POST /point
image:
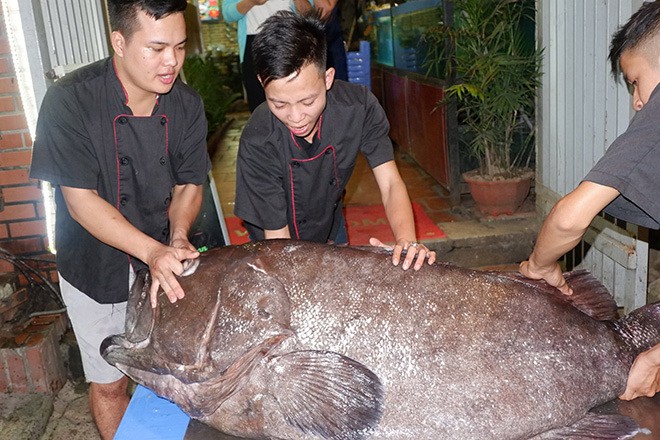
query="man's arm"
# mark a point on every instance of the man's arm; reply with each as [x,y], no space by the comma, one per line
[400,217]
[108,225]
[562,231]
[233,10]
[644,376]
[183,210]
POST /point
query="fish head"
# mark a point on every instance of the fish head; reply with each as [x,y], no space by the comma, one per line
[233,313]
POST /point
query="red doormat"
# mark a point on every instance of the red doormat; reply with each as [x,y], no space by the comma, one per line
[362,221]
[366,221]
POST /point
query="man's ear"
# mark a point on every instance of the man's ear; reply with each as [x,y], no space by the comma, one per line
[329,78]
[118,42]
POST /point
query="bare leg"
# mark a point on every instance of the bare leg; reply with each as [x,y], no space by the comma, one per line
[108,402]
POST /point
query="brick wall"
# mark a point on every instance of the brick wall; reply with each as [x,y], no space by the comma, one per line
[22,221]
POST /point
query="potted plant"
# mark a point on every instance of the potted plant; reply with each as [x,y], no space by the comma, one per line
[494,72]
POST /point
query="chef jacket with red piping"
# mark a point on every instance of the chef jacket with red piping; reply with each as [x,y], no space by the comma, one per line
[87,137]
[282,180]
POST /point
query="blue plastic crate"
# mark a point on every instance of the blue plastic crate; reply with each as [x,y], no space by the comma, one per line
[359,65]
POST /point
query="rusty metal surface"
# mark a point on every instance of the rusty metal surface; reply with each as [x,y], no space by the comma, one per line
[645,411]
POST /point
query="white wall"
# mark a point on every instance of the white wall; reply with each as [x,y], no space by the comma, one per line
[581,108]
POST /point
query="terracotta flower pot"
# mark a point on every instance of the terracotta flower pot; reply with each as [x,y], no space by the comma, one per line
[502,196]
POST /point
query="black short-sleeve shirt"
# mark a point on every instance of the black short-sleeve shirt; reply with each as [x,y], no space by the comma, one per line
[87,137]
[631,165]
[282,181]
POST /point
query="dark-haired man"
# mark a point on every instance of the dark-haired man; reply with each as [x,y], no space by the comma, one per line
[123,142]
[299,148]
[624,182]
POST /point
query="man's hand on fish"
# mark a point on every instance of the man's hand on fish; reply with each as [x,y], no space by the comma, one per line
[644,376]
[164,264]
[415,252]
[552,275]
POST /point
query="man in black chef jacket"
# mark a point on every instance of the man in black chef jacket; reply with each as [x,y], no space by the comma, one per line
[123,141]
[299,148]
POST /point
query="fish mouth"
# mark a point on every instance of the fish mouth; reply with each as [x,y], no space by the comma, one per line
[113,348]
[110,344]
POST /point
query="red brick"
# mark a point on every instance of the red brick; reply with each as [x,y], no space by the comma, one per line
[27,139]
[14,177]
[35,363]
[4,378]
[23,211]
[28,193]
[24,246]
[8,85]
[4,45]
[53,276]
[6,266]
[16,158]
[4,232]
[5,66]
[14,301]
[41,210]
[16,369]
[13,122]
[12,140]
[26,229]
[7,103]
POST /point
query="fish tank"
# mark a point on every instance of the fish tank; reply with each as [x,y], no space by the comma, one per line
[397,38]
[382,50]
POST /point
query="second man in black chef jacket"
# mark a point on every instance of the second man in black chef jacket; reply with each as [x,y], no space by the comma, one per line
[299,148]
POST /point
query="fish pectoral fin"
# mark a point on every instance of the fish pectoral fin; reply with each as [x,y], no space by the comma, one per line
[592,426]
[326,393]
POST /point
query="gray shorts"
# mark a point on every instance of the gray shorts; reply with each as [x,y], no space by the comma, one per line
[92,323]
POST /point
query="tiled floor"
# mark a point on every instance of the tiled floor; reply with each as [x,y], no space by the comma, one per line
[361,190]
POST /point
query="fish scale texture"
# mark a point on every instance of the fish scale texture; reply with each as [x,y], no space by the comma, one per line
[455,353]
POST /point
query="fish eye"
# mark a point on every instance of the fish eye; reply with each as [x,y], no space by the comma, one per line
[264,314]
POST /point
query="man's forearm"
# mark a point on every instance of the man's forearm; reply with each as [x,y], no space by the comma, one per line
[568,221]
[398,210]
[184,209]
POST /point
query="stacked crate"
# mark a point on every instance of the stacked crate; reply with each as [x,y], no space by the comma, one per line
[359,65]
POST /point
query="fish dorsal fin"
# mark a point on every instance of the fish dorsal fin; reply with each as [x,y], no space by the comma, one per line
[596,426]
[590,296]
[325,393]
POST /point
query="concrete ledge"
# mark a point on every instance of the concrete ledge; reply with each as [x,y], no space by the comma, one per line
[478,243]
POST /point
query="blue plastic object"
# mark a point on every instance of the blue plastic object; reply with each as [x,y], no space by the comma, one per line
[359,65]
[149,417]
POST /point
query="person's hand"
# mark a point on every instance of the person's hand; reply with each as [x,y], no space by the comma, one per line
[644,376]
[415,251]
[552,275]
[165,262]
[325,8]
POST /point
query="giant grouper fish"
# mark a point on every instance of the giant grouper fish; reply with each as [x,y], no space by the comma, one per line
[292,340]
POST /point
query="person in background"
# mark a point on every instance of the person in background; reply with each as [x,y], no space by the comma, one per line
[625,180]
[250,14]
[123,141]
[297,151]
[329,12]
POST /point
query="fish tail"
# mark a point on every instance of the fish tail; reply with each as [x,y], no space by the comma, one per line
[640,329]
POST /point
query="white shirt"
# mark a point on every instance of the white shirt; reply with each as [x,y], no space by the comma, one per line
[258,14]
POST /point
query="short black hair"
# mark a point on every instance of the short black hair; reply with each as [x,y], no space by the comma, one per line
[123,13]
[287,42]
[638,30]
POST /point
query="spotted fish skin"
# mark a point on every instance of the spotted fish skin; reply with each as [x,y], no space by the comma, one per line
[295,340]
